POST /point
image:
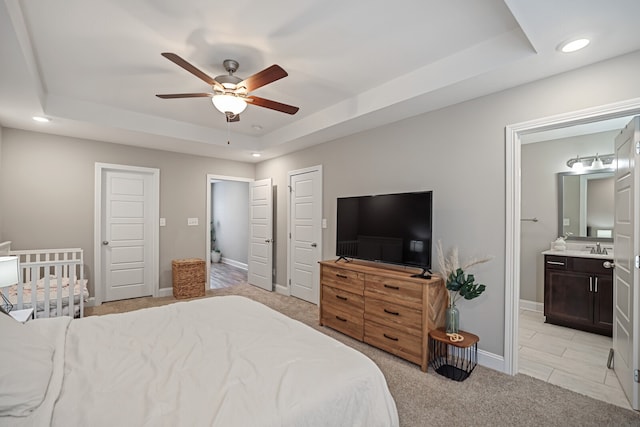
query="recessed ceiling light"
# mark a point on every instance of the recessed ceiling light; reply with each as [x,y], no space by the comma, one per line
[573,45]
[256,154]
[41,119]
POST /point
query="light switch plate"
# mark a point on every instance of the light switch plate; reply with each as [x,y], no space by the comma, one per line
[192,221]
[163,222]
[324,222]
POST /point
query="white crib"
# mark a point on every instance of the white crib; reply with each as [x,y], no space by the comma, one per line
[57,275]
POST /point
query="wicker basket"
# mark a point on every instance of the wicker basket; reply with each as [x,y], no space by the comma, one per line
[188,277]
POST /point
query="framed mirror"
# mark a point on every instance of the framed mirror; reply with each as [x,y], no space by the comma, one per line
[586,205]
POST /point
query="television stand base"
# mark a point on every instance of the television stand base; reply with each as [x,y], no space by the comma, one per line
[424,274]
[344,258]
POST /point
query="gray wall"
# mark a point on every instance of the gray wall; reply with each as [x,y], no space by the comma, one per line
[540,164]
[49,180]
[230,211]
[459,153]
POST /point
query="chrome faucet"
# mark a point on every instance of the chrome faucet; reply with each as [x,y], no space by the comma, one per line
[598,249]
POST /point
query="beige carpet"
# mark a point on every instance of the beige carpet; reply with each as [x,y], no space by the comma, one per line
[486,398]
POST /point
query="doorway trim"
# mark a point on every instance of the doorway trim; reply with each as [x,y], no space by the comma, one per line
[99,288]
[211,178]
[513,133]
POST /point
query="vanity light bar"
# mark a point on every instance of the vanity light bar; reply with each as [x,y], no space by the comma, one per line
[606,159]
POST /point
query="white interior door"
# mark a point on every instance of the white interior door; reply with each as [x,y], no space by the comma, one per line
[261,234]
[305,233]
[627,250]
[128,234]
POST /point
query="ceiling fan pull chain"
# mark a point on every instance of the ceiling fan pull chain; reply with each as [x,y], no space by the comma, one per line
[228,137]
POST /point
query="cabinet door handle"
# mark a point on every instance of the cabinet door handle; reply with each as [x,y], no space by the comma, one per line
[555,262]
[341,297]
[342,276]
[395,313]
[390,337]
[342,319]
[596,284]
[391,287]
[590,284]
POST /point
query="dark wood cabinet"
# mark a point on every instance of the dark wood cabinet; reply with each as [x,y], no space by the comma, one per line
[578,293]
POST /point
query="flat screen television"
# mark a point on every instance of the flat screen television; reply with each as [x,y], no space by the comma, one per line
[388,228]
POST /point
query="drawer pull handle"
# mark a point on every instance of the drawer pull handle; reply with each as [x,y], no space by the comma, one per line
[341,297]
[555,262]
[395,313]
[390,338]
[391,287]
[342,276]
[342,319]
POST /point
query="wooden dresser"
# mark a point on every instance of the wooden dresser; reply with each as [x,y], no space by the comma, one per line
[383,307]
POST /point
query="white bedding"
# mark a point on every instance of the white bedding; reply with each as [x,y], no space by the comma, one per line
[224,361]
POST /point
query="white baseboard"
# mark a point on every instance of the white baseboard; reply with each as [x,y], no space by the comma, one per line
[283,290]
[165,292]
[491,361]
[532,305]
[234,263]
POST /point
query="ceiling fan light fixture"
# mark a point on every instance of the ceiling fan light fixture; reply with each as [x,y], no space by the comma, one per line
[229,104]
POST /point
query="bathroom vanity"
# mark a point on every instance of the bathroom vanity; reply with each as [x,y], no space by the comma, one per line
[578,290]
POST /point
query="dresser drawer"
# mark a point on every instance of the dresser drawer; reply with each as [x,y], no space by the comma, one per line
[347,280]
[342,300]
[405,319]
[405,345]
[349,323]
[394,290]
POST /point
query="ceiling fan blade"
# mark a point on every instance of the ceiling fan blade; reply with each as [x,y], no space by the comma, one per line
[267,103]
[232,118]
[185,95]
[190,68]
[264,77]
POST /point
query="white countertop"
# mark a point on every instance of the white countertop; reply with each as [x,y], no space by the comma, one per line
[578,253]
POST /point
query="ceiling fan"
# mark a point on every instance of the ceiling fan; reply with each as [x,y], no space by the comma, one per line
[230,93]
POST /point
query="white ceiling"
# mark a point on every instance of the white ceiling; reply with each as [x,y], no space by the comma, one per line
[94,67]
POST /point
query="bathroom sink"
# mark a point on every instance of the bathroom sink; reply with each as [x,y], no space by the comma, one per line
[581,253]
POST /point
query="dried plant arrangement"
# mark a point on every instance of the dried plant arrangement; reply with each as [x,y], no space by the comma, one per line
[458,284]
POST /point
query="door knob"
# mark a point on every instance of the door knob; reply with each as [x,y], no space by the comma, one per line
[104,242]
[313,245]
[608,264]
[267,240]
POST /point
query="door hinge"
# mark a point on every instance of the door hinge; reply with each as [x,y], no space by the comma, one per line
[289,235]
[637,147]
[637,262]
[289,282]
[290,188]
[636,376]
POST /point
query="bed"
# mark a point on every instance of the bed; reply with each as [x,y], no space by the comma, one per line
[47,278]
[220,361]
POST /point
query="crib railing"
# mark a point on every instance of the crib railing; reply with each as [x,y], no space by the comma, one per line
[50,269]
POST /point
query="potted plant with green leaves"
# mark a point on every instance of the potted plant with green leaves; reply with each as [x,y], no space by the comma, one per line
[215,252]
[458,283]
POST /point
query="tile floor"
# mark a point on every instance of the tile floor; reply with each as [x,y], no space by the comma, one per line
[569,358]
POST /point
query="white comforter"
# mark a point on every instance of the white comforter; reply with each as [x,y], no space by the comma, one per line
[224,361]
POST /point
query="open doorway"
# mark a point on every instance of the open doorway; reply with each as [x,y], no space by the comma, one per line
[227,230]
[514,214]
[569,357]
